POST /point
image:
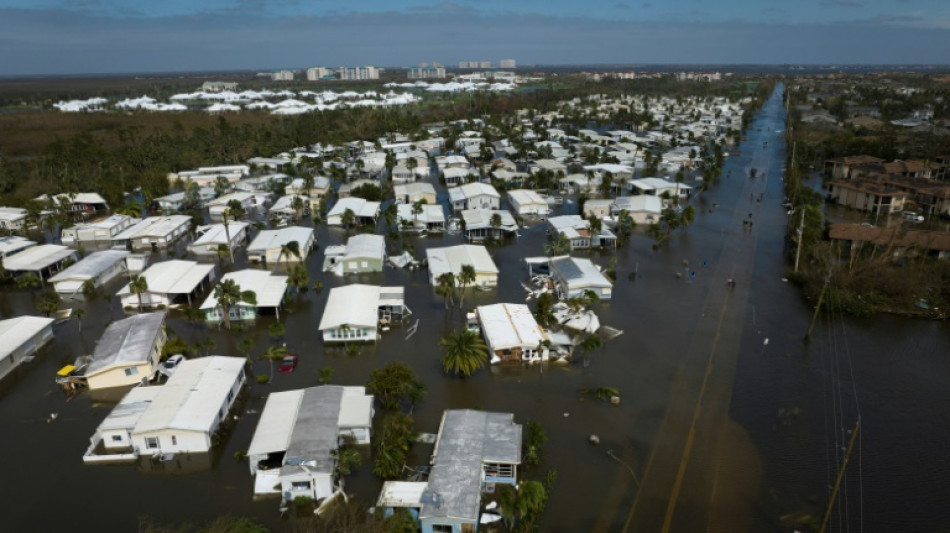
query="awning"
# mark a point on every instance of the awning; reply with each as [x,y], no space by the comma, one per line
[65,371]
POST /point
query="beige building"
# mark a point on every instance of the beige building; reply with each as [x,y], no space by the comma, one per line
[128,352]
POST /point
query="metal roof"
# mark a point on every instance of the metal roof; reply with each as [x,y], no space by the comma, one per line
[481,218]
[467,439]
[451,259]
[154,227]
[37,257]
[276,423]
[366,245]
[91,266]
[173,277]
[315,432]
[507,326]
[126,341]
[126,414]
[578,272]
[275,238]
[401,494]
[353,305]
[359,206]
[193,395]
[268,289]
[215,234]
[16,331]
[12,244]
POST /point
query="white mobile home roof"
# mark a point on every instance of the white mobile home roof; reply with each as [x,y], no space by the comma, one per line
[508,326]
[11,244]
[275,238]
[359,206]
[91,266]
[268,289]
[129,340]
[366,245]
[191,398]
[16,331]
[353,305]
[173,277]
[215,234]
[429,214]
[129,409]
[276,424]
[579,272]
[37,257]
[481,218]
[525,197]
[451,258]
[153,227]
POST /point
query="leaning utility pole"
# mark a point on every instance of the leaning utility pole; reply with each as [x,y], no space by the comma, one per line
[801,237]
[821,296]
[844,465]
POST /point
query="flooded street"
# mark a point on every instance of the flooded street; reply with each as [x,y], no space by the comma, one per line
[728,421]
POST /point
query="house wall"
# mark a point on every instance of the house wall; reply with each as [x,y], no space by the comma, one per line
[172,441]
[362,264]
[122,375]
[360,435]
[319,485]
[458,526]
[237,313]
[149,300]
[28,348]
[356,334]
[604,293]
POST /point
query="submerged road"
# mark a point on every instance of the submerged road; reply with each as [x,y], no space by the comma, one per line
[681,485]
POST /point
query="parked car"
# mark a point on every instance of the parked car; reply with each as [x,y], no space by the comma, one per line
[172,362]
[288,364]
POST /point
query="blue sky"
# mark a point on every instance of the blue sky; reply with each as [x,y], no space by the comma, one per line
[86,36]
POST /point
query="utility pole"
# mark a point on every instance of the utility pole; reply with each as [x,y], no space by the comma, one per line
[801,235]
[844,465]
[821,296]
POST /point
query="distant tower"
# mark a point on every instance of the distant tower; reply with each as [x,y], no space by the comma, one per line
[506,63]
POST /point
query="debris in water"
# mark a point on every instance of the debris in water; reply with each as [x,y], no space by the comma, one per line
[594,439]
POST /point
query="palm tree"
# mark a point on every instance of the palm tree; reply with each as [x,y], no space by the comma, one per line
[559,245]
[138,286]
[348,219]
[297,204]
[517,504]
[228,294]
[465,278]
[391,215]
[446,288]
[298,278]
[625,224]
[495,223]
[465,352]
[78,313]
[274,353]
[687,216]
[417,208]
[236,211]
[292,248]
[133,209]
[224,252]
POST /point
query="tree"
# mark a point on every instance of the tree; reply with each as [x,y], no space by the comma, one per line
[79,313]
[465,352]
[28,281]
[558,245]
[291,249]
[48,302]
[446,288]
[392,445]
[245,345]
[348,219]
[325,375]
[544,313]
[131,209]
[298,278]
[394,383]
[223,251]
[625,224]
[192,195]
[687,215]
[228,294]
[521,503]
[274,353]
[221,185]
[595,224]
[495,223]
[138,286]
[417,208]
[465,278]
[234,210]
[297,204]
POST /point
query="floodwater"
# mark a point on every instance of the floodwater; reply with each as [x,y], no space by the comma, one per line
[728,422]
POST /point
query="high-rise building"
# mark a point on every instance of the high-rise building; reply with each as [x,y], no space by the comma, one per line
[506,63]
[422,73]
[358,73]
[484,64]
[318,73]
[282,75]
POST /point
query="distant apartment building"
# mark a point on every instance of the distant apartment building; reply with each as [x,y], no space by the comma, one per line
[484,64]
[282,75]
[358,73]
[506,63]
[318,73]
[425,73]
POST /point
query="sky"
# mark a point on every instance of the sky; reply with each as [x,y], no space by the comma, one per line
[116,36]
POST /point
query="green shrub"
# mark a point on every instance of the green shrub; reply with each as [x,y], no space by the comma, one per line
[263,379]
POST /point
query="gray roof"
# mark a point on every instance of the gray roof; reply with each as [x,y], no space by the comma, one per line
[91,266]
[466,440]
[126,341]
[315,431]
[579,272]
